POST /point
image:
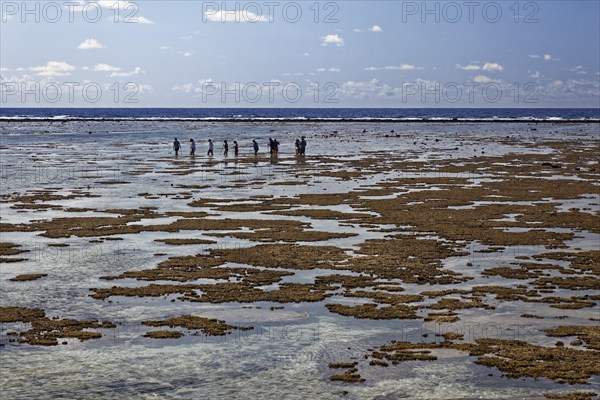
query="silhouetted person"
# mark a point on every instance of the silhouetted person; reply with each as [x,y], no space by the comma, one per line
[176,147]
[303,146]
[271,146]
[225,148]
[211,148]
[192,147]
[236,148]
[255,146]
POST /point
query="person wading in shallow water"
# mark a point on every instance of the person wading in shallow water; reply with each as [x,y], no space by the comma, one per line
[176,147]
[210,148]
[297,147]
[192,147]
[225,148]
[271,146]
[303,146]
[255,146]
[236,148]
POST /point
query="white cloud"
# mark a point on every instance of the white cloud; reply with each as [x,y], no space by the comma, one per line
[136,71]
[185,88]
[140,20]
[332,69]
[105,68]
[333,39]
[306,54]
[234,16]
[112,3]
[195,88]
[357,30]
[493,67]
[470,67]
[482,79]
[545,57]
[188,54]
[535,75]
[125,8]
[165,47]
[376,29]
[89,44]
[53,68]
[579,70]
[368,89]
[144,88]
[401,67]
[3,69]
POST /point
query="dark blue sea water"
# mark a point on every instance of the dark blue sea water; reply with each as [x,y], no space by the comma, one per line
[397,114]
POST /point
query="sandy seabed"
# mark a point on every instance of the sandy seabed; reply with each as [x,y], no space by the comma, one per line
[442,260]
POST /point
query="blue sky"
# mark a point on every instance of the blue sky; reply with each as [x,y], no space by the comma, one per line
[349,54]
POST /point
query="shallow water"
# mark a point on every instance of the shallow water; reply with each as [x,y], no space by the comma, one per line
[287,353]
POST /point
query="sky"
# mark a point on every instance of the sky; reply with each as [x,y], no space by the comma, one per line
[300,54]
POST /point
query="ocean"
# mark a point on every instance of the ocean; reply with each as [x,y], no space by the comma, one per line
[317,114]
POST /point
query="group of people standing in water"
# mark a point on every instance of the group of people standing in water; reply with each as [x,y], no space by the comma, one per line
[273,147]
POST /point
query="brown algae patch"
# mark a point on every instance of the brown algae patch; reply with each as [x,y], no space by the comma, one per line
[589,334]
[27,277]
[572,396]
[442,317]
[230,292]
[407,258]
[349,376]
[520,359]
[372,311]
[208,326]
[11,249]
[183,242]
[285,235]
[323,214]
[163,334]
[20,314]
[288,256]
[46,331]
[515,358]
